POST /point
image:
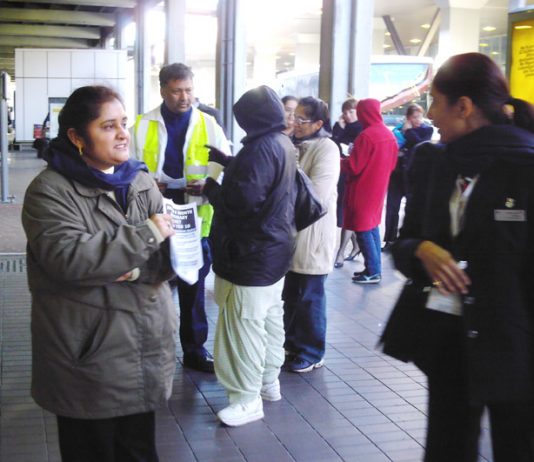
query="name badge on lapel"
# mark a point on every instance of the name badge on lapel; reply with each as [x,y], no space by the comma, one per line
[510,215]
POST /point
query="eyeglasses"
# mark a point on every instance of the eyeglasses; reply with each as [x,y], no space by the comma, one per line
[300,121]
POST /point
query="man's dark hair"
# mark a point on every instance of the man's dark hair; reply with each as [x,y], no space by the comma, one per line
[176,71]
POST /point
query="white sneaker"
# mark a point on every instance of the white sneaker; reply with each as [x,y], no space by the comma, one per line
[271,391]
[241,413]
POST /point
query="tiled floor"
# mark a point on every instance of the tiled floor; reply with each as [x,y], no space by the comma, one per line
[362,406]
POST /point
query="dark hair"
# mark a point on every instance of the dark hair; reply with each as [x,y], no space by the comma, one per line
[478,77]
[316,109]
[349,104]
[82,107]
[176,71]
[287,98]
[413,108]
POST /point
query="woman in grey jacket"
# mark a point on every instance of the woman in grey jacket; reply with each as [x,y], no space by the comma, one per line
[103,321]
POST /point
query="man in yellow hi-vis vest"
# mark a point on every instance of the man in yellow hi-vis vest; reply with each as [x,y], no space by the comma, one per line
[171,139]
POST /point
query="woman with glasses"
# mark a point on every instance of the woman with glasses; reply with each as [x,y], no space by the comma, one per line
[303,294]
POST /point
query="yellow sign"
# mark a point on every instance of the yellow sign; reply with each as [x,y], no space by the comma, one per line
[522,62]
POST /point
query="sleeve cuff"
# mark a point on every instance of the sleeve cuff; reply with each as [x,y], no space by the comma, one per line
[135,275]
[155,231]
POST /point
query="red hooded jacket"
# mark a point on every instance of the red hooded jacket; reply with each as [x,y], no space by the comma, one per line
[367,169]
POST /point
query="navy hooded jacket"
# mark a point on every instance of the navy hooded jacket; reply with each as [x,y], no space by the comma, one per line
[253,231]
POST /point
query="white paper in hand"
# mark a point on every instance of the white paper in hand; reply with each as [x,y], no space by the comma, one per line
[185,245]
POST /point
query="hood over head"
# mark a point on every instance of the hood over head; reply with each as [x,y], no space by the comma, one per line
[259,111]
[368,112]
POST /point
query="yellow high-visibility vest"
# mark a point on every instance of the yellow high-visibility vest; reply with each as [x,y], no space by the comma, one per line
[196,160]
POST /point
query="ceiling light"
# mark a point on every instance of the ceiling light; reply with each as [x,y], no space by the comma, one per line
[425,26]
[386,45]
[483,45]
[494,53]
[415,40]
[489,28]
[525,26]
[388,33]
[287,63]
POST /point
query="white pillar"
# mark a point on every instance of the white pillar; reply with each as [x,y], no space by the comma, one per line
[175,31]
[363,12]
[460,27]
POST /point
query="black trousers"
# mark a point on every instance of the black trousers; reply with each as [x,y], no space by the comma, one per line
[130,438]
[454,423]
[193,320]
[396,191]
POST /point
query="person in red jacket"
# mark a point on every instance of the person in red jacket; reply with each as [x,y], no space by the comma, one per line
[371,161]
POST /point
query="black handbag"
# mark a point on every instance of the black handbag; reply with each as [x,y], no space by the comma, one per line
[414,333]
[308,207]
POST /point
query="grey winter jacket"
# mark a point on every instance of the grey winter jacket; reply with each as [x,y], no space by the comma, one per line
[101,348]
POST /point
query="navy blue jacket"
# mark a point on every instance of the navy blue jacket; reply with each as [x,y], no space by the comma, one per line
[253,231]
[496,241]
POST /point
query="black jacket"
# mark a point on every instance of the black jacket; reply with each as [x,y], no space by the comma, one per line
[497,242]
[253,231]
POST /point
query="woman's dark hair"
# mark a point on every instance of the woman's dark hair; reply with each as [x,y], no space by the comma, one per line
[478,77]
[82,107]
[413,108]
[287,98]
[316,109]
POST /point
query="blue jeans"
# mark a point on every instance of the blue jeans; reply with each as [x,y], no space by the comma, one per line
[305,315]
[193,320]
[369,242]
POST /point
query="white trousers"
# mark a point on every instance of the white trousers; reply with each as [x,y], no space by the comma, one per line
[249,339]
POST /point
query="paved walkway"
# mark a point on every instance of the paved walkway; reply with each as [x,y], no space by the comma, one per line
[361,407]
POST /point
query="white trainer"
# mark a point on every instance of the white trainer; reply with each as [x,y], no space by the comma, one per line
[271,391]
[242,413]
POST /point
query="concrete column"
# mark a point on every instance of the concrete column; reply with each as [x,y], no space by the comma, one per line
[460,27]
[345,70]
[175,31]
[362,36]
[231,63]
[142,60]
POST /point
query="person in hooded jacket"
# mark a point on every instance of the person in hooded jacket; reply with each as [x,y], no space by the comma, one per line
[467,243]
[253,238]
[367,171]
[304,293]
[103,320]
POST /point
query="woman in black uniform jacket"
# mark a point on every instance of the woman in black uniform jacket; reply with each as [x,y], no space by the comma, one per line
[469,235]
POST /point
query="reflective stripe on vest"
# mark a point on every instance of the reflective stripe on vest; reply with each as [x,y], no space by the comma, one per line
[196,160]
[197,155]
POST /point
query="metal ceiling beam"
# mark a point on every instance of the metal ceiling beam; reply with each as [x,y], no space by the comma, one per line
[431,33]
[44,42]
[399,47]
[107,3]
[23,30]
[76,18]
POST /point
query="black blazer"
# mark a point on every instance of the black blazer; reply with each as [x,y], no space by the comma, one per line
[496,330]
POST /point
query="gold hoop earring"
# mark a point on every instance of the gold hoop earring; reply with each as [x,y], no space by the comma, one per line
[80,150]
